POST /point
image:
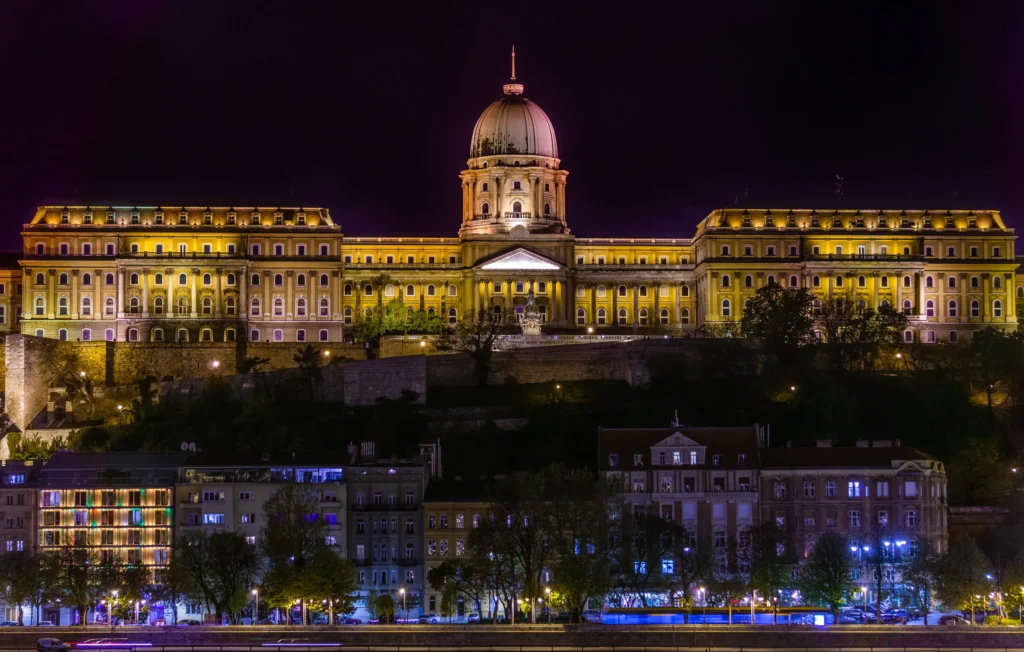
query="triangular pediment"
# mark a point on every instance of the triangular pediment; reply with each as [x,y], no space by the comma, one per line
[520,259]
[677,439]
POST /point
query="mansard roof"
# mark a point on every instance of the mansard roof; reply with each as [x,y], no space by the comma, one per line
[627,442]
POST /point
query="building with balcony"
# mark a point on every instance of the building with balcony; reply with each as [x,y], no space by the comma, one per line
[385,534]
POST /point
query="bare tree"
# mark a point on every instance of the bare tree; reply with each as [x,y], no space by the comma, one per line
[479,338]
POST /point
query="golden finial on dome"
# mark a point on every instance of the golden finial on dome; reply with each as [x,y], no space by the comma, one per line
[513,62]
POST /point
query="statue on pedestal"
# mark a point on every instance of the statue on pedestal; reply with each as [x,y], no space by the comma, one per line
[530,322]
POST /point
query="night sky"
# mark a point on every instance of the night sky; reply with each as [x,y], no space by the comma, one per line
[662,112]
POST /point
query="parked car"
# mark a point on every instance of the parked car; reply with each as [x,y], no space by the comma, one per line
[592,615]
[954,621]
[9,623]
[189,622]
[320,620]
[52,645]
[45,623]
[428,619]
[350,621]
[473,618]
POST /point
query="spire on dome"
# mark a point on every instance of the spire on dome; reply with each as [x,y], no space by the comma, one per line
[513,88]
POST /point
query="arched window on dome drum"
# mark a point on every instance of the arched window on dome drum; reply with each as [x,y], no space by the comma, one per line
[547,209]
[485,209]
[517,208]
[581,316]
[664,315]
[601,316]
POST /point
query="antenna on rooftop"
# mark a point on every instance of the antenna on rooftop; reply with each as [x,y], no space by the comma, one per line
[513,62]
[675,421]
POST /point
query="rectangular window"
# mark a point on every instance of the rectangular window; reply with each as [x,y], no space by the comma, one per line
[854,518]
[779,491]
[910,489]
[213,519]
[809,489]
[911,518]
[853,489]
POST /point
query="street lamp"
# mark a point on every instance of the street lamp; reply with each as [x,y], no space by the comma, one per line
[113,596]
[215,364]
[405,608]
[256,614]
[547,592]
[704,604]
[864,591]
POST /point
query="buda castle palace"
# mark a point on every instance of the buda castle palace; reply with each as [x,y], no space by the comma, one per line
[289,274]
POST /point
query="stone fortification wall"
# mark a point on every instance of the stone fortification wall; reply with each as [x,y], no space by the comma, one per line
[368,380]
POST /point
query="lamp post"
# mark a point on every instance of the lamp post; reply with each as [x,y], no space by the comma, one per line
[753,601]
[864,591]
[547,592]
[405,608]
[704,605]
[113,599]
[256,614]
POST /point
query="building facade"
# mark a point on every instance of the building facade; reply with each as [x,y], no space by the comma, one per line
[289,274]
[451,511]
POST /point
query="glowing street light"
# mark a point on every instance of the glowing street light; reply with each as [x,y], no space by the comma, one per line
[82,374]
[215,364]
[405,608]
[256,614]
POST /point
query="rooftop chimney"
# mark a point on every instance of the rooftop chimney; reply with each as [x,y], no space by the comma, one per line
[824,443]
[861,443]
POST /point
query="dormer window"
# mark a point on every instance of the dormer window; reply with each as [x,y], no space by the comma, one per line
[716,460]
[814,222]
[300,218]
[278,219]
[158,218]
[254,219]
[677,458]
[64,217]
[613,461]
[207,218]
[183,218]
[110,217]
[135,217]
[746,220]
[87,217]
[693,458]
[231,218]
[638,459]
[741,459]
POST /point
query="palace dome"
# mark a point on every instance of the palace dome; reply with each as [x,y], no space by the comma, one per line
[513,126]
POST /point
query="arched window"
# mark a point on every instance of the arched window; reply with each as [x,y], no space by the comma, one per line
[40,306]
[108,279]
[951,281]
[997,307]
[157,335]
[300,335]
[601,316]
[207,279]
[793,281]
[726,280]
[133,334]
[517,208]
[907,307]
[1020,292]
[132,280]
[816,306]
[862,281]
[684,316]
[622,316]
[86,306]
[368,290]
[748,281]
[686,290]
[840,304]
[63,279]
[230,281]
[158,279]
[929,282]
[410,291]
[643,290]
[951,308]
[278,307]
[108,335]
[547,209]
[206,335]
[158,305]
[975,308]
[108,306]
[207,306]
[300,280]
[816,281]
[622,290]
[520,287]
[182,280]
[885,281]
[40,332]
[431,311]
[771,280]
[974,281]
[229,305]
[581,316]
[325,307]
[496,311]
[40,279]
[254,279]
[953,337]
[347,290]
[133,305]
[664,315]
[62,306]
[907,282]
[182,335]
[278,280]
[862,305]
[663,291]
[643,316]
[254,308]
[40,249]
[485,209]
[300,307]
[87,279]
[324,280]
[86,334]
[389,290]
[348,315]
[929,308]
[602,292]
[726,308]
[453,315]
[839,281]
[452,290]
[997,282]
[431,291]
[182,306]
[884,303]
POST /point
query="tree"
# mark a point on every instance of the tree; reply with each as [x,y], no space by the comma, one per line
[21,577]
[465,577]
[827,576]
[921,572]
[309,361]
[223,567]
[763,551]
[384,606]
[780,317]
[72,572]
[329,577]
[853,335]
[962,574]
[641,541]
[178,586]
[479,338]
[977,474]
[492,558]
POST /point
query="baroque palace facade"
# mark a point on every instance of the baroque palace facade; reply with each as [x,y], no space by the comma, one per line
[289,274]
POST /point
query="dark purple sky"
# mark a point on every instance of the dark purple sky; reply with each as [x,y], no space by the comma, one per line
[662,112]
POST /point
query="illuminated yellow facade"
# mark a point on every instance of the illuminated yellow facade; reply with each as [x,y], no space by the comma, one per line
[288,274]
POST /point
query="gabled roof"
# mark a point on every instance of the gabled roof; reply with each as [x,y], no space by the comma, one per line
[519,258]
[727,442]
[853,457]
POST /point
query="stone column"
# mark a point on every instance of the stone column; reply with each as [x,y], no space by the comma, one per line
[677,318]
[636,304]
[243,296]
[74,294]
[268,311]
[615,305]
[899,292]
[289,278]
[195,292]
[120,293]
[1010,309]
[494,196]
[476,297]
[940,309]
[97,298]
[335,295]
[657,300]
[874,290]
[593,304]
[511,301]
[51,293]
[218,293]
[145,293]
[986,309]
[919,293]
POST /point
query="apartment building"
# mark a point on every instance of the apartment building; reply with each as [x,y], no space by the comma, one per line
[451,511]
